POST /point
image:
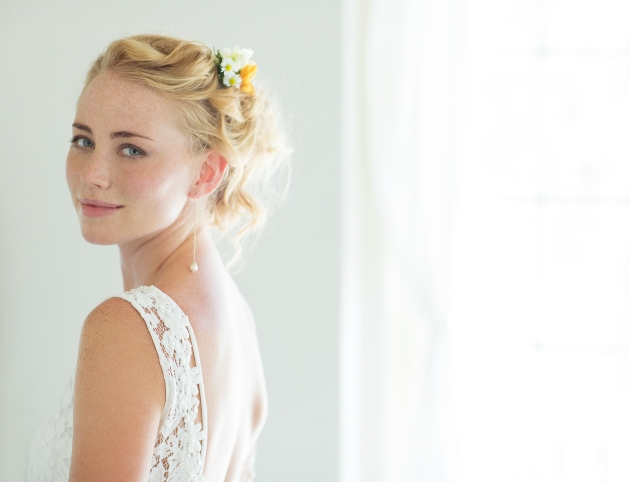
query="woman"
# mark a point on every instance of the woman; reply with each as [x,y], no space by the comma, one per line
[170,141]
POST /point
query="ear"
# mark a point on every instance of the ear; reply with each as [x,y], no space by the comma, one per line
[210,175]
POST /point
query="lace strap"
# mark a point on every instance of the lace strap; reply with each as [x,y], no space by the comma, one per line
[175,341]
[147,309]
[204,412]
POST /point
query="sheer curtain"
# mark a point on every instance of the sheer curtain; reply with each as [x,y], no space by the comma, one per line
[401,63]
[485,332]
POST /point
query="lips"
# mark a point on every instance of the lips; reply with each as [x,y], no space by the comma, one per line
[95,208]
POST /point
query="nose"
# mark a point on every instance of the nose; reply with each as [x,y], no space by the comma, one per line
[96,171]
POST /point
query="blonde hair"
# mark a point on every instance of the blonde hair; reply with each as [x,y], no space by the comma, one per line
[244,128]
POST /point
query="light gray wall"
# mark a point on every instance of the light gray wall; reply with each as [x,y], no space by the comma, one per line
[47,271]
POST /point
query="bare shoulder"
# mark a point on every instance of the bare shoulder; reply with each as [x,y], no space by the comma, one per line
[113,316]
[116,344]
[119,396]
[115,329]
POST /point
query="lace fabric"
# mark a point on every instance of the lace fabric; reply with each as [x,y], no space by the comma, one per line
[51,448]
[180,448]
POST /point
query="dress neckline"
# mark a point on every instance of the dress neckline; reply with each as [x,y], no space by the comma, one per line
[202,393]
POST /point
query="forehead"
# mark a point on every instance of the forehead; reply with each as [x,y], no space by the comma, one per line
[113,103]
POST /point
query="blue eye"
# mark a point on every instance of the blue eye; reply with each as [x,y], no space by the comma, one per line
[82,142]
[131,151]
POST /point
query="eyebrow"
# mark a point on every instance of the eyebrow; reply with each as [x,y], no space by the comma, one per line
[113,135]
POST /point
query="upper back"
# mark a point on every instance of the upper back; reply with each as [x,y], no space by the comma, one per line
[231,368]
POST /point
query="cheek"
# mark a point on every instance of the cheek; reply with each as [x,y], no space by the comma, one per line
[73,172]
[158,196]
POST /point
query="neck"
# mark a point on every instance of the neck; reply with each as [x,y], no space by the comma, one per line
[149,260]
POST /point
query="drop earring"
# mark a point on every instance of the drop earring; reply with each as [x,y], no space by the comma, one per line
[193,266]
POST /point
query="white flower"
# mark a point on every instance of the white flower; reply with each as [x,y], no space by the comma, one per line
[225,52]
[239,56]
[230,79]
[227,64]
[242,56]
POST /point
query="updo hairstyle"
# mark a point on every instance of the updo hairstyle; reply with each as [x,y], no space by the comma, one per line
[244,128]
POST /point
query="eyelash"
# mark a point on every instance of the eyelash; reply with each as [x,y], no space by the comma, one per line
[76,139]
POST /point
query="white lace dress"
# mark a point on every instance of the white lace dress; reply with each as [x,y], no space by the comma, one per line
[180,446]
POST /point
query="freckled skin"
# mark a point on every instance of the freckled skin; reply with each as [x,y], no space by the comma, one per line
[153,230]
[152,188]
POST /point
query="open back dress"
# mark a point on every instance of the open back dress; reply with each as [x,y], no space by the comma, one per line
[180,446]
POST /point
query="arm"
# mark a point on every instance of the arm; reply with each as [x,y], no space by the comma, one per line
[119,396]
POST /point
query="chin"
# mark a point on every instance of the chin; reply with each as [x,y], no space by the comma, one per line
[98,236]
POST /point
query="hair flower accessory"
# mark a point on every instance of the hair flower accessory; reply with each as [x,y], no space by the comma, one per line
[235,69]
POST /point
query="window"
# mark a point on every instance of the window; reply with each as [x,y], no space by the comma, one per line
[540,328]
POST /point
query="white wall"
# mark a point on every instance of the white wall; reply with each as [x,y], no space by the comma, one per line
[47,270]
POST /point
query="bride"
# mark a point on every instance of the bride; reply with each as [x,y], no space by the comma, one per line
[170,141]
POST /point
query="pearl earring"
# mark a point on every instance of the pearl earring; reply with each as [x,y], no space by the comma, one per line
[193,266]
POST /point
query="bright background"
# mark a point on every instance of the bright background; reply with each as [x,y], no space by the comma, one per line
[47,271]
[486,267]
[443,296]
[541,273]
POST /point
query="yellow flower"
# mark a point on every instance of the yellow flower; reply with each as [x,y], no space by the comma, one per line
[247,73]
